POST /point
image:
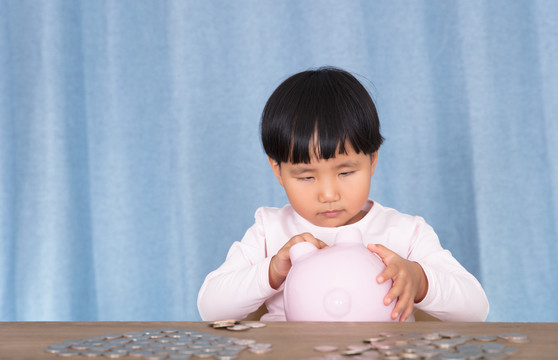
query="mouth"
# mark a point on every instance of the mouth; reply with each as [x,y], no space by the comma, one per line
[331,213]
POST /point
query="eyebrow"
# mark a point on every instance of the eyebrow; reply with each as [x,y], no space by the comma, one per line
[299,170]
[348,164]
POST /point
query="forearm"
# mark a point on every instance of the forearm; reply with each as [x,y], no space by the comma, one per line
[454,296]
[234,293]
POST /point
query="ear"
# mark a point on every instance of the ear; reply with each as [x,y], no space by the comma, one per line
[276,169]
[374,161]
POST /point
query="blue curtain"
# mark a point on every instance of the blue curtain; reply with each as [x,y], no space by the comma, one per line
[130,158]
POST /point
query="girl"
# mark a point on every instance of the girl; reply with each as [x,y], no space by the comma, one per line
[321,132]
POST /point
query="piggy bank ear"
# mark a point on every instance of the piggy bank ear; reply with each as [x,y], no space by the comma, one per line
[301,251]
[350,235]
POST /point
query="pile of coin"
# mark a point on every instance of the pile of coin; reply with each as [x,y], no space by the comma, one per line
[236,325]
[432,346]
[160,344]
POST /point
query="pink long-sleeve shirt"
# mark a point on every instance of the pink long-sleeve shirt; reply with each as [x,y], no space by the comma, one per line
[241,284]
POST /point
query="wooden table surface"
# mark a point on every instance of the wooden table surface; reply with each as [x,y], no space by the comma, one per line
[290,340]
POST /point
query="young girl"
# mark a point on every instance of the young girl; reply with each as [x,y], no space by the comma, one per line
[321,132]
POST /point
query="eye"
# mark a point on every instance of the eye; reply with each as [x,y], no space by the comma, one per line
[346,173]
[307,178]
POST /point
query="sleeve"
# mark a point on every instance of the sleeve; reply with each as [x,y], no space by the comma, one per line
[453,293]
[241,284]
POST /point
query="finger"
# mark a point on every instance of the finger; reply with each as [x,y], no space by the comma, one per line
[395,292]
[383,252]
[390,272]
[408,311]
[312,239]
[401,307]
[322,244]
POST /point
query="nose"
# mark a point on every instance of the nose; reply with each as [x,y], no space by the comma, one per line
[328,191]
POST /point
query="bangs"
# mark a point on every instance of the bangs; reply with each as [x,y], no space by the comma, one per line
[316,114]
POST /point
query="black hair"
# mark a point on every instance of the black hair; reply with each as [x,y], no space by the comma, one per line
[328,106]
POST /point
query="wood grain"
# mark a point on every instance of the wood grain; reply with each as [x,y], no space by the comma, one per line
[291,340]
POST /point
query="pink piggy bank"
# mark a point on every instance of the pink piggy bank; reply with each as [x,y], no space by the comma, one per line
[336,283]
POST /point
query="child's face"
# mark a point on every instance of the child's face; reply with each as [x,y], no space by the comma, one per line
[328,193]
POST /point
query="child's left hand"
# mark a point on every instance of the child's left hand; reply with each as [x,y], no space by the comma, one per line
[409,281]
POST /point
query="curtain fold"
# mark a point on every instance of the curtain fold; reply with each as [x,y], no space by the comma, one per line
[130,158]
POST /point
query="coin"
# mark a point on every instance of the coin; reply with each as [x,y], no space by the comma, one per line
[326,348]
[111,336]
[67,352]
[449,334]
[139,353]
[238,328]
[496,355]
[259,351]
[225,356]
[223,323]
[432,336]
[493,347]
[256,325]
[485,338]
[244,342]
[92,353]
[374,339]
[351,352]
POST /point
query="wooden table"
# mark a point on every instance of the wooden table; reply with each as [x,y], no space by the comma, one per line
[290,340]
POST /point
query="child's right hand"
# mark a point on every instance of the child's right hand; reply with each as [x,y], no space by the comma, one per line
[281,262]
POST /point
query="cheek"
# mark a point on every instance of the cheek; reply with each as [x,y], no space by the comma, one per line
[360,188]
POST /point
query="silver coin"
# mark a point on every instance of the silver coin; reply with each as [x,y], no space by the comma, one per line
[51,350]
[485,338]
[185,351]
[111,336]
[114,355]
[202,355]
[445,343]
[496,355]
[361,348]
[92,353]
[513,336]
[139,353]
[351,352]
[449,334]
[67,352]
[153,356]
[225,356]
[244,342]
[259,351]
[169,331]
[453,357]
[409,355]
[178,357]
[238,327]
[520,341]
[493,347]
[134,334]
[211,349]
[256,325]
[326,348]
[388,334]
[371,340]
[432,336]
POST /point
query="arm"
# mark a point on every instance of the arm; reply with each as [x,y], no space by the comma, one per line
[241,284]
[454,294]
